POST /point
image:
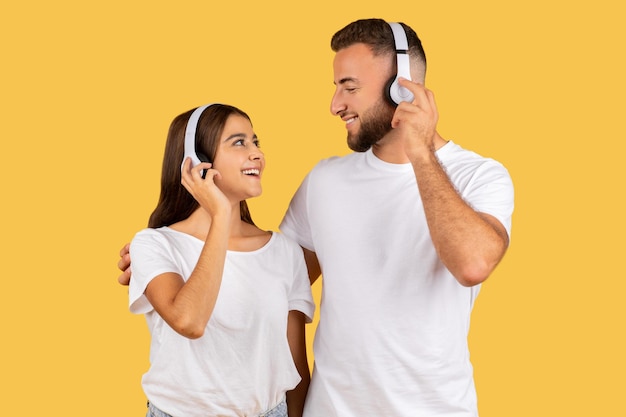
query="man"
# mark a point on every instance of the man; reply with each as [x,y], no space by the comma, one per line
[404,231]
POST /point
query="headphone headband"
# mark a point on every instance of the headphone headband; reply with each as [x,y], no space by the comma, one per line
[399,37]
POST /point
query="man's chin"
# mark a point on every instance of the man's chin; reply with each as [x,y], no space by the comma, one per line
[360,144]
[356,146]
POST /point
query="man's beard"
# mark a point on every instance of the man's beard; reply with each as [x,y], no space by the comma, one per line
[375,124]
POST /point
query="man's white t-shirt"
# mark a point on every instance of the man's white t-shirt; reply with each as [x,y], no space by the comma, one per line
[242,365]
[392,335]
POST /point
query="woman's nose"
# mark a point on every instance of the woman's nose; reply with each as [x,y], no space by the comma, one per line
[257,154]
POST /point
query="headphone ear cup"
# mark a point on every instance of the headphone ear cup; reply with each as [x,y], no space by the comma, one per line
[203,158]
[388,86]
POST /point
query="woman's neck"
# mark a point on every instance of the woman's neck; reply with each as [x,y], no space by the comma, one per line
[243,236]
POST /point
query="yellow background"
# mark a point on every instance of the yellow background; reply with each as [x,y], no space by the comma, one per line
[88,90]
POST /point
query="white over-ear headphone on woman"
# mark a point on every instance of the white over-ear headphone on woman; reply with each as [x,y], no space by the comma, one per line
[190,139]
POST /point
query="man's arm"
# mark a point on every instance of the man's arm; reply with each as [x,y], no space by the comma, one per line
[312,265]
[124,265]
[470,244]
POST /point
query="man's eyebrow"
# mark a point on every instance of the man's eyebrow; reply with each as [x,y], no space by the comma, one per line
[347,80]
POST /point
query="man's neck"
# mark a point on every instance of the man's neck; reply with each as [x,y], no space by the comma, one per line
[391,150]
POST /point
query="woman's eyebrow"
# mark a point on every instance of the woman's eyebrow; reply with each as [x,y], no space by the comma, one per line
[238,136]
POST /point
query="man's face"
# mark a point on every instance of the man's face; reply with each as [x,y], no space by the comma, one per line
[360,78]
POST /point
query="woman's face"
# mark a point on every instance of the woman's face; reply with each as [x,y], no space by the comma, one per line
[239,160]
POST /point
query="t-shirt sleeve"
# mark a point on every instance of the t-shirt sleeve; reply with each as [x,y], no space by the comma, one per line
[150,254]
[300,296]
[295,224]
[492,193]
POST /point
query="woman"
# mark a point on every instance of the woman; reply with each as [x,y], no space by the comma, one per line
[225,301]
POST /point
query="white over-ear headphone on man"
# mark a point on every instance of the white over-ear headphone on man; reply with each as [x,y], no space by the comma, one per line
[393,91]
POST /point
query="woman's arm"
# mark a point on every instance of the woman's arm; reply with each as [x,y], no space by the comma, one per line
[187,306]
[297,343]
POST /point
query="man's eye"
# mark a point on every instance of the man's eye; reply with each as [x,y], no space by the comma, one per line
[257,143]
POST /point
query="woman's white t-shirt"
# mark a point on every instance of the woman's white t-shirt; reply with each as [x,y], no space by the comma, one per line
[242,365]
